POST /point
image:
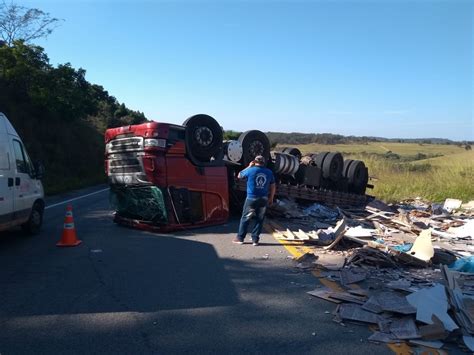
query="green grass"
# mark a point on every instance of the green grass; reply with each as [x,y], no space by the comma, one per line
[447,171]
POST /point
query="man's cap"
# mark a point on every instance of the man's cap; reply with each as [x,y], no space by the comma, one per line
[259,159]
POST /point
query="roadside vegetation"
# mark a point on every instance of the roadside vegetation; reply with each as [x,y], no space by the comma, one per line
[402,171]
[60,116]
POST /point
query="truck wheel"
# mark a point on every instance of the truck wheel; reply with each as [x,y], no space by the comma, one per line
[332,166]
[293,151]
[33,225]
[254,143]
[319,159]
[345,168]
[358,176]
[203,137]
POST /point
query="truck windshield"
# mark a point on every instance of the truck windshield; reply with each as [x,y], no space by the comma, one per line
[143,203]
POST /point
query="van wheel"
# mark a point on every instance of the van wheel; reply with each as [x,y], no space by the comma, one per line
[35,221]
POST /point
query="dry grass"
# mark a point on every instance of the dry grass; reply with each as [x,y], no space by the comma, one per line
[435,179]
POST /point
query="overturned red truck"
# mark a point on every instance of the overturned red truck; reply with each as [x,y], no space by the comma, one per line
[166,177]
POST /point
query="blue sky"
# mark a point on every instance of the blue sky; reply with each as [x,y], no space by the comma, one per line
[379,68]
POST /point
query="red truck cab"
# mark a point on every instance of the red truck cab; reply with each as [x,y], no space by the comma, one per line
[157,185]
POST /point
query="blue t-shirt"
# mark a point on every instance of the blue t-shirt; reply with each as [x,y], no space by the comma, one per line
[258,181]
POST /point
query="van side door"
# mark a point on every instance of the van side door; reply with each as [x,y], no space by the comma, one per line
[7,173]
[22,203]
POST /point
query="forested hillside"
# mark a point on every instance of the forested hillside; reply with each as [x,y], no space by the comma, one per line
[60,116]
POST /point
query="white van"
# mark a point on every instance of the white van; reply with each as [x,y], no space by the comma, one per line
[21,191]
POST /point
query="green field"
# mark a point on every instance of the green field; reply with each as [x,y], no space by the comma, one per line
[402,171]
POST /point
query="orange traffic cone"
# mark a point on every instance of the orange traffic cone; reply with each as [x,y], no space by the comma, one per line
[69,238]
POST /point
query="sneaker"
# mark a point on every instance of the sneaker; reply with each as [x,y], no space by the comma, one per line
[237,241]
[255,244]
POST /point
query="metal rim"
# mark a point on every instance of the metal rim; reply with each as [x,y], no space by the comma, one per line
[254,143]
[203,136]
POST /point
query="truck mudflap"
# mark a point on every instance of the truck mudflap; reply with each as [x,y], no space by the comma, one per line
[329,197]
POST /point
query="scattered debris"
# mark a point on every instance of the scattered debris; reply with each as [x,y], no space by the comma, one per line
[348,311]
[404,328]
[348,276]
[380,337]
[392,302]
[431,302]
[469,342]
[422,247]
[428,344]
[406,269]
[338,233]
[325,294]
[452,204]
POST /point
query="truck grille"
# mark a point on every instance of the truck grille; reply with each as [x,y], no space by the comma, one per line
[126,144]
[125,169]
[125,166]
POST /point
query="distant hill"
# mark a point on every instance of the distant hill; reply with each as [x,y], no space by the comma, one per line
[329,138]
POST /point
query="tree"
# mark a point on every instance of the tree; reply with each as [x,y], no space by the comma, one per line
[22,23]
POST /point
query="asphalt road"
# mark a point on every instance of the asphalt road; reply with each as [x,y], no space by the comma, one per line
[124,291]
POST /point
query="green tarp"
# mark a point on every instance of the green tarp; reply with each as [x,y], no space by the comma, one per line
[143,203]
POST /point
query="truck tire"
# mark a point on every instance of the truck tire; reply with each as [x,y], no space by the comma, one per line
[358,176]
[319,159]
[254,143]
[332,166]
[293,151]
[345,168]
[34,223]
[203,136]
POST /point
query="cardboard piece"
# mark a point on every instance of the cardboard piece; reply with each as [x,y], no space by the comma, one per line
[435,331]
[360,232]
[359,292]
[429,344]
[384,325]
[469,342]
[429,302]
[372,305]
[380,337]
[404,328]
[302,235]
[330,261]
[323,294]
[422,247]
[339,230]
[451,204]
[349,277]
[345,296]
[403,285]
[356,313]
[306,261]
[392,302]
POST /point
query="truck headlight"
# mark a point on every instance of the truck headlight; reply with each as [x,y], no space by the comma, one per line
[152,142]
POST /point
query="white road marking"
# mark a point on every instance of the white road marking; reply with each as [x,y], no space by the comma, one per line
[75,198]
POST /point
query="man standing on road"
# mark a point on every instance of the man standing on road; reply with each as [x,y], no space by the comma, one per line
[260,193]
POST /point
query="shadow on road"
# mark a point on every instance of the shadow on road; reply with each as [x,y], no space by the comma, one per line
[114,270]
[126,291]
